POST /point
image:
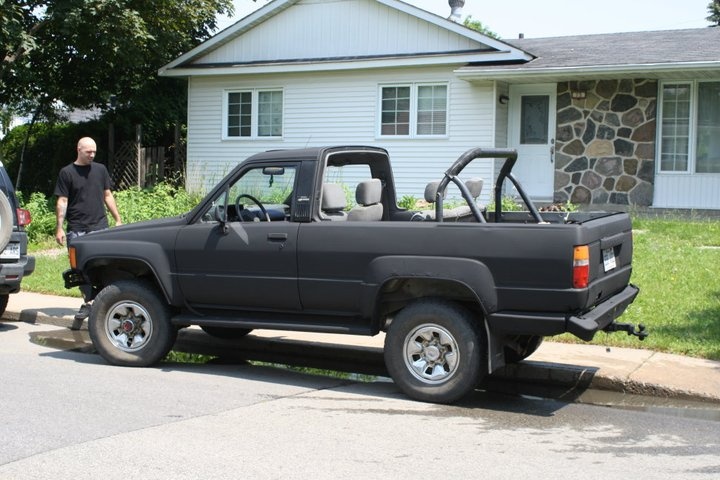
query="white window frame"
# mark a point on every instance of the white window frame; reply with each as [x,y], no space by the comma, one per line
[692,127]
[255,113]
[414,94]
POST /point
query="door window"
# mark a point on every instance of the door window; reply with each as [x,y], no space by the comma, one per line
[534,110]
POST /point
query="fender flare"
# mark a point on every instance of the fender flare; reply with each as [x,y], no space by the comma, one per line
[475,275]
[148,253]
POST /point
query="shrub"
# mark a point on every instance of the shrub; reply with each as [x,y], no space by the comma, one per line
[134,204]
[407,202]
[162,200]
[42,212]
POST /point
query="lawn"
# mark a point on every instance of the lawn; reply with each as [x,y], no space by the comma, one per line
[676,265]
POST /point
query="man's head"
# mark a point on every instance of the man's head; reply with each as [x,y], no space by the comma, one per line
[86,149]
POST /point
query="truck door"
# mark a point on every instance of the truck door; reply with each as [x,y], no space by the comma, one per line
[241,253]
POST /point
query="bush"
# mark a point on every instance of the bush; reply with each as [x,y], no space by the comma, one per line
[42,212]
[162,200]
[407,202]
[134,205]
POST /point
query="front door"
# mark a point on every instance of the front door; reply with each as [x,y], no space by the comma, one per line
[249,261]
[532,133]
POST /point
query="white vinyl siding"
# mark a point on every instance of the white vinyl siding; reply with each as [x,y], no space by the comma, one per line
[342,109]
[342,28]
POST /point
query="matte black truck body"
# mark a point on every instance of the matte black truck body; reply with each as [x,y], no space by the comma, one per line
[457,298]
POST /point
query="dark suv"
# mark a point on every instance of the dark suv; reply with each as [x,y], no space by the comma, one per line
[14,260]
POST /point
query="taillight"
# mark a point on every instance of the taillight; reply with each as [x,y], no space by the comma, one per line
[581,266]
[23,217]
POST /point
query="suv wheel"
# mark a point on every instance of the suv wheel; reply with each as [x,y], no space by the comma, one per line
[130,324]
[434,351]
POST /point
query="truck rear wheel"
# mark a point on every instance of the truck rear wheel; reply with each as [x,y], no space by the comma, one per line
[434,351]
[130,325]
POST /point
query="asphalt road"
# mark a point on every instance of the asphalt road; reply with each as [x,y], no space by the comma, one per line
[68,415]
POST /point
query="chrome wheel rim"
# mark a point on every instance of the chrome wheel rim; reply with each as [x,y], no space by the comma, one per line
[431,354]
[128,326]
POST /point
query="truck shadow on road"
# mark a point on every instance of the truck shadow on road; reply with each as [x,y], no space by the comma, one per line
[319,366]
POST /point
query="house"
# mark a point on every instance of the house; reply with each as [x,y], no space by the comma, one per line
[625,119]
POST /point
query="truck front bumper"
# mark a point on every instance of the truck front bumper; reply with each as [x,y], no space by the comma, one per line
[73,278]
[583,326]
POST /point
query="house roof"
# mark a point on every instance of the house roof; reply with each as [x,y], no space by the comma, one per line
[306,35]
[690,53]
[320,35]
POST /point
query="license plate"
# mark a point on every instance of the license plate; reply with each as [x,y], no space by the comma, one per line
[12,251]
[609,259]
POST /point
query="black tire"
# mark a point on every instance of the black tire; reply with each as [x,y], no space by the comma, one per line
[3,303]
[130,324]
[435,351]
[226,333]
[523,346]
[6,221]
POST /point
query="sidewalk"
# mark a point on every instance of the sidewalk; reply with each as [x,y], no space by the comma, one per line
[641,372]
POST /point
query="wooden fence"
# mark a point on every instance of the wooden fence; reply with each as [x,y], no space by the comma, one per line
[135,165]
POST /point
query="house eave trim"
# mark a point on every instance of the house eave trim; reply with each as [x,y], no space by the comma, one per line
[333,64]
[478,73]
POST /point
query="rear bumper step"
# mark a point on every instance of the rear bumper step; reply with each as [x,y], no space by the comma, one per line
[602,316]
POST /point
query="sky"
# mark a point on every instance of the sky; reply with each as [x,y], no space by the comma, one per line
[554,18]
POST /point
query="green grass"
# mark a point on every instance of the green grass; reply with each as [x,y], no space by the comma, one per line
[676,265]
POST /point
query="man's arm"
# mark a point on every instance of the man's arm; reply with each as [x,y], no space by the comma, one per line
[112,206]
[60,212]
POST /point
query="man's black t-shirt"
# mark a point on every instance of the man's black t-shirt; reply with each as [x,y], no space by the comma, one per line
[84,186]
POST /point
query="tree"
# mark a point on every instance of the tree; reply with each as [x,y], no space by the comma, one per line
[478,26]
[714,11]
[79,52]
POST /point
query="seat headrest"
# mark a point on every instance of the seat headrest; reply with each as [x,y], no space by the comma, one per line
[475,186]
[431,191]
[368,192]
[333,197]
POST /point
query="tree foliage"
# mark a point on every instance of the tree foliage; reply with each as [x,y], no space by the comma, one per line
[80,52]
[478,26]
[714,11]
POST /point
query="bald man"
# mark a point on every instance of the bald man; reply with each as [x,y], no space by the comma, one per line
[83,192]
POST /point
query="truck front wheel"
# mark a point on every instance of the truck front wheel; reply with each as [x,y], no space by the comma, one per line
[434,351]
[130,325]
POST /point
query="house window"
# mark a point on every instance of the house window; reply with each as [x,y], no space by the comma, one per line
[395,111]
[690,127]
[432,110]
[253,113]
[708,128]
[239,114]
[413,110]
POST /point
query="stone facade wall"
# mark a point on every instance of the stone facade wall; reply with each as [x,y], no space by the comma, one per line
[605,143]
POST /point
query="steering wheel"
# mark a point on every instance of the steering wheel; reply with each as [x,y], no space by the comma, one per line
[255,201]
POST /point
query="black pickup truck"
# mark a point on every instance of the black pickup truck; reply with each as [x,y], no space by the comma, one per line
[459,291]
